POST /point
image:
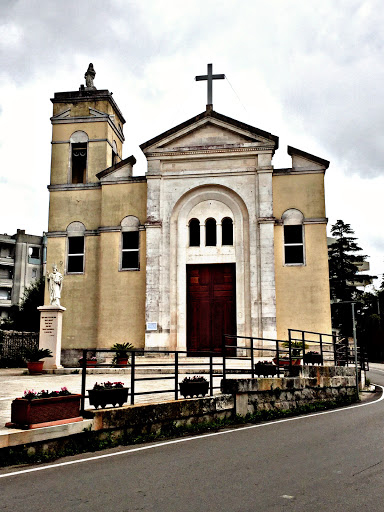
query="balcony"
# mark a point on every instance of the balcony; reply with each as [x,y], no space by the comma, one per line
[5,282]
[9,262]
[7,303]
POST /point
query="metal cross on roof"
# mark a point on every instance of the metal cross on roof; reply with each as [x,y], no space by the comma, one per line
[209,77]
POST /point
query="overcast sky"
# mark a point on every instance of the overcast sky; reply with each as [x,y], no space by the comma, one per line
[309,72]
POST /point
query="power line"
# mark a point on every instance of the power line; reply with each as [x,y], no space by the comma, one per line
[241,103]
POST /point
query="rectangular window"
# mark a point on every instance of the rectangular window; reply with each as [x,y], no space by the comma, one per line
[79,162]
[5,294]
[34,255]
[75,264]
[293,245]
[130,251]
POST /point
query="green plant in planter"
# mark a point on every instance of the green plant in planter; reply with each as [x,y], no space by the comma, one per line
[36,354]
[121,350]
[297,347]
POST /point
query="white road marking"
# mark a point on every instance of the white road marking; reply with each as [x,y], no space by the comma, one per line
[187,439]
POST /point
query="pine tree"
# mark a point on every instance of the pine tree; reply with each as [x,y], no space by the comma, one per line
[343,258]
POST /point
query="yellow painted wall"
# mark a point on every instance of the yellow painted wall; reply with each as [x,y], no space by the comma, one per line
[104,305]
[79,294]
[304,192]
[66,206]
[81,108]
[302,292]
[121,200]
[99,153]
[122,295]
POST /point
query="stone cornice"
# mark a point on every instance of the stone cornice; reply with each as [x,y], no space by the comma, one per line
[87,95]
[88,119]
[73,186]
[297,170]
[314,220]
[199,174]
[187,153]
[91,232]
[266,220]
[92,186]
[90,140]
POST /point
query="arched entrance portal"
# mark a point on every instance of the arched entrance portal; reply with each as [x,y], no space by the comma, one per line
[209,291]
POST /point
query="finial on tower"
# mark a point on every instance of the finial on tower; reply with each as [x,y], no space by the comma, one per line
[89,77]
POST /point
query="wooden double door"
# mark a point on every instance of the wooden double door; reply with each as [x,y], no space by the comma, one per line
[211,306]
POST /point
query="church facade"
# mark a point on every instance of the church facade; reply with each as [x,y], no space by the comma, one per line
[212,240]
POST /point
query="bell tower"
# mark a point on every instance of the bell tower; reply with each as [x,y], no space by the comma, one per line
[87,133]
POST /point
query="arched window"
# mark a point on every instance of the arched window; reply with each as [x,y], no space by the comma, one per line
[210,232]
[293,237]
[194,233]
[130,243]
[75,248]
[79,149]
[227,231]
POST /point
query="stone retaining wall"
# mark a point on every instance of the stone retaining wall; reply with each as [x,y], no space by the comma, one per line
[240,397]
[315,383]
[150,418]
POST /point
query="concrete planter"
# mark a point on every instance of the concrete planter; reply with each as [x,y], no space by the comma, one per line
[286,362]
[193,389]
[266,370]
[102,397]
[43,412]
[313,359]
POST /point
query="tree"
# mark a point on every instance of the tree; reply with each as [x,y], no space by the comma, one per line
[26,317]
[343,257]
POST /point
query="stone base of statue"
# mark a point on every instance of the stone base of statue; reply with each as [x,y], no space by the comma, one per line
[51,324]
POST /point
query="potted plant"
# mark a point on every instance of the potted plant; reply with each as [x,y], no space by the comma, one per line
[313,357]
[266,369]
[108,393]
[34,356]
[194,386]
[91,362]
[121,357]
[296,347]
[44,408]
[284,361]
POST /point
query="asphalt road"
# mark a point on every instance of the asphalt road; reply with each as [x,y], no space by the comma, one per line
[331,461]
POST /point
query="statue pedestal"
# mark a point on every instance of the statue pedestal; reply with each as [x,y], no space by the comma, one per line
[51,322]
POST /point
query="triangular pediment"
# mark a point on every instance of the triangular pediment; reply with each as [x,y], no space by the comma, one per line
[62,115]
[208,134]
[209,130]
[120,171]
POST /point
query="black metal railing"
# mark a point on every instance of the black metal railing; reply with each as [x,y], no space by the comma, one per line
[336,351]
[285,354]
[176,367]
[13,344]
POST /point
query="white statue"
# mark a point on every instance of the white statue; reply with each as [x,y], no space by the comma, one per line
[55,283]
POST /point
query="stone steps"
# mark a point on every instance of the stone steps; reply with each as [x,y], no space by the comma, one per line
[147,365]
